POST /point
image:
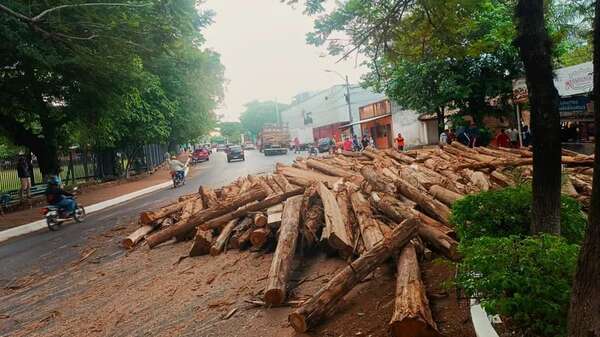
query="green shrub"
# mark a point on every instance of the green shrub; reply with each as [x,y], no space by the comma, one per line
[507,211]
[527,279]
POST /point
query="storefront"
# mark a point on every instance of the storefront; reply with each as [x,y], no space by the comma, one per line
[376,121]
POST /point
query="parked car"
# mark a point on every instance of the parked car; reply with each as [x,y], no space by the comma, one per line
[324,144]
[249,146]
[200,155]
[221,147]
[235,153]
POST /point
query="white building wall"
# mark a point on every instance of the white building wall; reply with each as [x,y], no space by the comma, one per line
[327,107]
[407,123]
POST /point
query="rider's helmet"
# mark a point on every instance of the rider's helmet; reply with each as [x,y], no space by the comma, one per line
[53,180]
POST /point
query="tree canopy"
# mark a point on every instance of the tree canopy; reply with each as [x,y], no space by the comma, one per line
[107,76]
[258,113]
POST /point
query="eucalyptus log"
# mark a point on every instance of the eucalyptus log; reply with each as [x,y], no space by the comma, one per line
[203,241]
[260,219]
[334,233]
[283,183]
[182,228]
[137,236]
[259,236]
[281,265]
[219,244]
[325,301]
[149,217]
[239,236]
[429,205]
[444,195]
[305,175]
[311,227]
[217,222]
[378,182]
[327,169]
[369,227]
[412,316]
[261,182]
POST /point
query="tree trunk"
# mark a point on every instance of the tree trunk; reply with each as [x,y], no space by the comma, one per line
[429,205]
[250,207]
[412,316]
[369,227]
[203,241]
[136,236]
[334,232]
[237,241]
[260,219]
[148,217]
[327,169]
[211,213]
[283,258]
[223,237]
[324,302]
[311,227]
[444,195]
[536,52]
[584,313]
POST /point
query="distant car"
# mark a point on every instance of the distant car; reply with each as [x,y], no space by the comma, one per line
[324,144]
[235,152]
[249,146]
[221,147]
[200,155]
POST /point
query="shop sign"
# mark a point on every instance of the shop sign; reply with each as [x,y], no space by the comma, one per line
[575,80]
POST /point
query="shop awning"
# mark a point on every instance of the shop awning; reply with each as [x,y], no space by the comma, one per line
[363,121]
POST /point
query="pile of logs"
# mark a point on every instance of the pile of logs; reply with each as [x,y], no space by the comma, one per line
[365,207]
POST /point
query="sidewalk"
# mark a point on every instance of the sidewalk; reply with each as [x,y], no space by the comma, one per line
[91,195]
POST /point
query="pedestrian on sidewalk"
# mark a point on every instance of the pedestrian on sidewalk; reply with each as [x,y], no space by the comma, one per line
[400,142]
[365,141]
[502,140]
[355,143]
[23,172]
[444,137]
[514,138]
[296,145]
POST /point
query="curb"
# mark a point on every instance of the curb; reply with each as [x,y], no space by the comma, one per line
[41,224]
[481,323]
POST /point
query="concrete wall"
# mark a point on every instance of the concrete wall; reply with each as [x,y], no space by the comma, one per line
[327,107]
[407,123]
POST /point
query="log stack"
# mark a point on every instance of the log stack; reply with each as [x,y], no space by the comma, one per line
[364,207]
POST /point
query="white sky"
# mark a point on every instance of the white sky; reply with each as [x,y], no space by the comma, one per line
[262,45]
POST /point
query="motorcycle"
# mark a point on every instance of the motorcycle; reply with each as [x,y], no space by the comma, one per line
[56,215]
[178,178]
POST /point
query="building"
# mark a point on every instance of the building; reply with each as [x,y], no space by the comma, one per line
[325,113]
[384,119]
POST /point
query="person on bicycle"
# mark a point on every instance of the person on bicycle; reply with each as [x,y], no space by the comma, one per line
[58,197]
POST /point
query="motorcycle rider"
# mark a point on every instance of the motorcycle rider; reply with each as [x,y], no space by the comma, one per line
[176,167]
[58,197]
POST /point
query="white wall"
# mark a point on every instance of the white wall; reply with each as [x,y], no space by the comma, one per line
[327,107]
[408,124]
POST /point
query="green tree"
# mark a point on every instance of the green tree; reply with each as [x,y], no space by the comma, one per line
[89,70]
[232,131]
[258,113]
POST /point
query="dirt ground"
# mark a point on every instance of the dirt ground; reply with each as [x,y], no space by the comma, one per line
[111,292]
[89,195]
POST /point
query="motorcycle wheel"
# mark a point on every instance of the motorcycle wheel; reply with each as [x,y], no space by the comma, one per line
[79,214]
[52,223]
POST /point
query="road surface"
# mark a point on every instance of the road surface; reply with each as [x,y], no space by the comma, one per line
[45,251]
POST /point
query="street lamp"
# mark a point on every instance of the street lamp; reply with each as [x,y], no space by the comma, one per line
[345,78]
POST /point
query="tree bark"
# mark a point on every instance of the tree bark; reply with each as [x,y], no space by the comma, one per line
[334,232]
[182,228]
[217,222]
[136,236]
[412,316]
[429,205]
[584,313]
[311,227]
[327,169]
[149,217]
[536,52]
[379,183]
[283,183]
[203,241]
[260,219]
[444,195]
[325,301]
[237,241]
[439,240]
[369,227]
[283,258]
[260,181]
[259,236]
[223,237]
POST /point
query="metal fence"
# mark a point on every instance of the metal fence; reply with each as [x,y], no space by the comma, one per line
[77,166]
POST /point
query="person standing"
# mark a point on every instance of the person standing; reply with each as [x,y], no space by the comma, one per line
[400,142]
[347,145]
[296,145]
[444,137]
[365,141]
[514,138]
[23,171]
[502,140]
[355,143]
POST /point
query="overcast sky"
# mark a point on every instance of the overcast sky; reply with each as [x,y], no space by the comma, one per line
[262,45]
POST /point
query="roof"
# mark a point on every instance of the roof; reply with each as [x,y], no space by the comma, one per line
[364,121]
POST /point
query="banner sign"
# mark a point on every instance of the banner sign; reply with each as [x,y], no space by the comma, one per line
[575,80]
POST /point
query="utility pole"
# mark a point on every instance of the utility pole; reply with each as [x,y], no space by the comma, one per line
[277,112]
[347,95]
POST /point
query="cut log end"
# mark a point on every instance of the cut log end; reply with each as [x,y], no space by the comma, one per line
[274,297]
[147,217]
[298,322]
[413,327]
[127,243]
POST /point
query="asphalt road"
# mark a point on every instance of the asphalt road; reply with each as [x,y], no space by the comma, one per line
[45,251]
